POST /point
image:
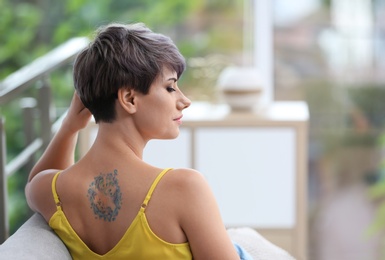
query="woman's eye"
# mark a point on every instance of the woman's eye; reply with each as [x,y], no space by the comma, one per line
[170,89]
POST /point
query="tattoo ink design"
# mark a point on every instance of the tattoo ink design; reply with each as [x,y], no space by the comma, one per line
[105,196]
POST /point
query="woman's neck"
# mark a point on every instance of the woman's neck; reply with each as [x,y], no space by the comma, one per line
[119,139]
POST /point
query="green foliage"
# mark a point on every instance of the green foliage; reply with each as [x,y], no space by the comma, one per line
[326,3]
[377,192]
[18,25]
[164,13]
[370,100]
[18,209]
[14,133]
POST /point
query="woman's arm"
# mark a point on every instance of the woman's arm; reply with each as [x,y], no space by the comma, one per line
[59,155]
[202,222]
[60,151]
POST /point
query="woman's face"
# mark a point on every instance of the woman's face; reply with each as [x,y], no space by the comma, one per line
[159,113]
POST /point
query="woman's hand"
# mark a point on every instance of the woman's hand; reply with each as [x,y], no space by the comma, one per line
[78,115]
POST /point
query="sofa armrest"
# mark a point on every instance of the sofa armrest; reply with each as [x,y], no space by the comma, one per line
[256,245]
[34,240]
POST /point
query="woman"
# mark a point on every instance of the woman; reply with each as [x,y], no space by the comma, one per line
[111,204]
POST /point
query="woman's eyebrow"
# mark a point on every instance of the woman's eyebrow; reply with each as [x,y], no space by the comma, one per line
[173,79]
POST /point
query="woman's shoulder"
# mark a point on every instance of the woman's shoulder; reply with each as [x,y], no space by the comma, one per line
[185,172]
[187,185]
[39,193]
[185,177]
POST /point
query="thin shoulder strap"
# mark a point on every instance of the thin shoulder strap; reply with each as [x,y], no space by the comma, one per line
[153,186]
[54,193]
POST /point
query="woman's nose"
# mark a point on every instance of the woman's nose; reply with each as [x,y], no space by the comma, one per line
[184,102]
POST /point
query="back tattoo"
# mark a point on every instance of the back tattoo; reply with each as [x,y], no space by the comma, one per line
[105,196]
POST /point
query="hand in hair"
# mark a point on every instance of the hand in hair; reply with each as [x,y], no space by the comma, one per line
[78,115]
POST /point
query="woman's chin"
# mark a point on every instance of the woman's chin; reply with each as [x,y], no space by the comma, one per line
[173,136]
[169,136]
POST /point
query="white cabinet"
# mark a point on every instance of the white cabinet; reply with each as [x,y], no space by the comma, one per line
[246,167]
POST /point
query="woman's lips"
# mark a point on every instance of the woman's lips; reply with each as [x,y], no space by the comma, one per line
[178,119]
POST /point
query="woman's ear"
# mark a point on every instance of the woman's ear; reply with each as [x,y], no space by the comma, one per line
[126,98]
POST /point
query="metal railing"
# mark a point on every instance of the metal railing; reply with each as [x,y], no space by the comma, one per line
[12,88]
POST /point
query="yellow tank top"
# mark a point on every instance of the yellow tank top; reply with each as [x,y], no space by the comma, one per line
[139,242]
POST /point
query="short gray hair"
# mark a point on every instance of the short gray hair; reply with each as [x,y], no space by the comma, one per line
[122,56]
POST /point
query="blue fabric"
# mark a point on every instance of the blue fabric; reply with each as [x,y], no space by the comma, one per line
[243,254]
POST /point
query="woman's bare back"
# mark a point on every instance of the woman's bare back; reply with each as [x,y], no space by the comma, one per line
[101,207]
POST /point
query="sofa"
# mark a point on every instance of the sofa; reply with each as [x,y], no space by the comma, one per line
[36,240]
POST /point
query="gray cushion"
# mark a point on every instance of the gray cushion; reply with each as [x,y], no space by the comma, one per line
[34,240]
